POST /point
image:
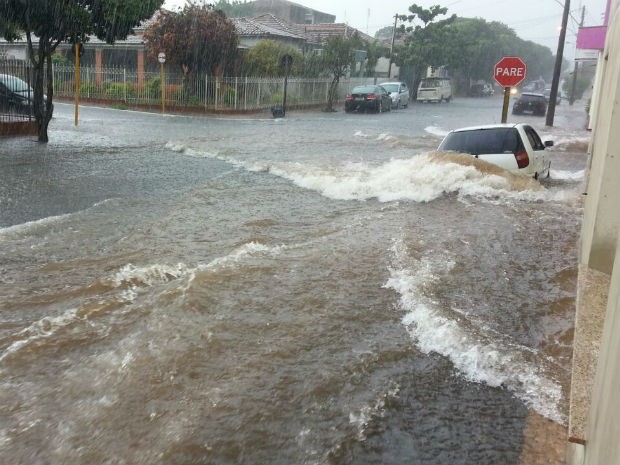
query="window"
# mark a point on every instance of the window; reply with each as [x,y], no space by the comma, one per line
[483,141]
[534,138]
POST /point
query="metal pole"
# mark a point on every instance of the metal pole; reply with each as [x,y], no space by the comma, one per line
[163,89]
[571,97]
[77,81]
[506,103]
[558,65]
[392,46]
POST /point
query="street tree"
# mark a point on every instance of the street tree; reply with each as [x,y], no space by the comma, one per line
[48,23]
[425,37]
[374,51]
[336,58]
[197,38]
[236,8]
[474,46]
[265,59]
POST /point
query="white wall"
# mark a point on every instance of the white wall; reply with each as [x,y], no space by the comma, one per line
[600,243]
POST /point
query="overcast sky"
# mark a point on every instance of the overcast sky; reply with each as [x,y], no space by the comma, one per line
[535,20]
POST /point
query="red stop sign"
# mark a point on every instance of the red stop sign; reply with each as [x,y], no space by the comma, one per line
[509,71]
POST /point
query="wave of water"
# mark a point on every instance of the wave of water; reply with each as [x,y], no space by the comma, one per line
[420,178]
[36,226]
[477,353]
[128,282]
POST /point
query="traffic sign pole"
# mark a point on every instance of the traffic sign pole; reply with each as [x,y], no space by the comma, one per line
[506,103]
[161,57]
[508,72]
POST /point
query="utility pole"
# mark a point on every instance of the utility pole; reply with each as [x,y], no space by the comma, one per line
[571,97]
[558,65]
[392,46]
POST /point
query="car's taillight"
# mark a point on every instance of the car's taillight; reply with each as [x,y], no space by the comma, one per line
[349,97]
[522,159]
[371,97]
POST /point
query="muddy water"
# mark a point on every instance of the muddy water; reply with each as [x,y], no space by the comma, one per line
[321,289]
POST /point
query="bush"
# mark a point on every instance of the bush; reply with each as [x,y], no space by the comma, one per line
[153,87]
[277,97]
[116,90]
[229,96]
[185,97]
[89,89]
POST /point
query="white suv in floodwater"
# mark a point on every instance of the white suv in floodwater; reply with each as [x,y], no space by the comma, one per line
[514,147]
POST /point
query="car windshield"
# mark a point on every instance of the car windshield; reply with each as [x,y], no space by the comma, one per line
[364,90]
[482,141]
[390,87]
[15,84]
[431,82]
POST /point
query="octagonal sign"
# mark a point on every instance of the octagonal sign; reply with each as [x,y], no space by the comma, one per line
[509,71]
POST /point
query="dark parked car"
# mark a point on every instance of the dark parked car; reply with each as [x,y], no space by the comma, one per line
[370,97]
[15,94]
[530,103]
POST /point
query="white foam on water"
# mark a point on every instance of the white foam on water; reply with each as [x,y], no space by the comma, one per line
[419,178]
[361,417]
[42,329]
[35,226]
[436,131]
[32,226]
[575,176]
[129,280]
[480,357]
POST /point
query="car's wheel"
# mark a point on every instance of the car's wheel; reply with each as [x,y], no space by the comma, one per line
[380,107]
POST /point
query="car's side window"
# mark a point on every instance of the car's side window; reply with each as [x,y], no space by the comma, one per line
[534,139]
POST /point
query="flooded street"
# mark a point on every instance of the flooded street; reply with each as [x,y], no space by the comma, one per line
[318,289]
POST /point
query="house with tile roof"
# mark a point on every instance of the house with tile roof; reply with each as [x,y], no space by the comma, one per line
[266,25]
[269,27]
[291,12]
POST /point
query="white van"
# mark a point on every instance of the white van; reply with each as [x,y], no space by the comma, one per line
[434,89]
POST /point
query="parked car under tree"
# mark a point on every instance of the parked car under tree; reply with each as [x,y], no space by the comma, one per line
[399,93]
[368,98]
[16,96]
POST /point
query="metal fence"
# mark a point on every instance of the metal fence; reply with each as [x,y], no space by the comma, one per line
[245,93]
[127,87]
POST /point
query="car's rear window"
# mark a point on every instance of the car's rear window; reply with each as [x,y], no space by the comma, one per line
[390,87]
[363,89]
[14,84]
[482,141]
[532,98]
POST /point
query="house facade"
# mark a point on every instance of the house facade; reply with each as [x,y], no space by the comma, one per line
[286,22]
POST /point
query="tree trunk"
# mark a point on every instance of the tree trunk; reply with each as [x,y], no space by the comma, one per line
[42,108]
[332,93]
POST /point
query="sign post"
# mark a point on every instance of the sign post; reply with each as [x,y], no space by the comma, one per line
[508,72]
[78,50]
[161,57]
